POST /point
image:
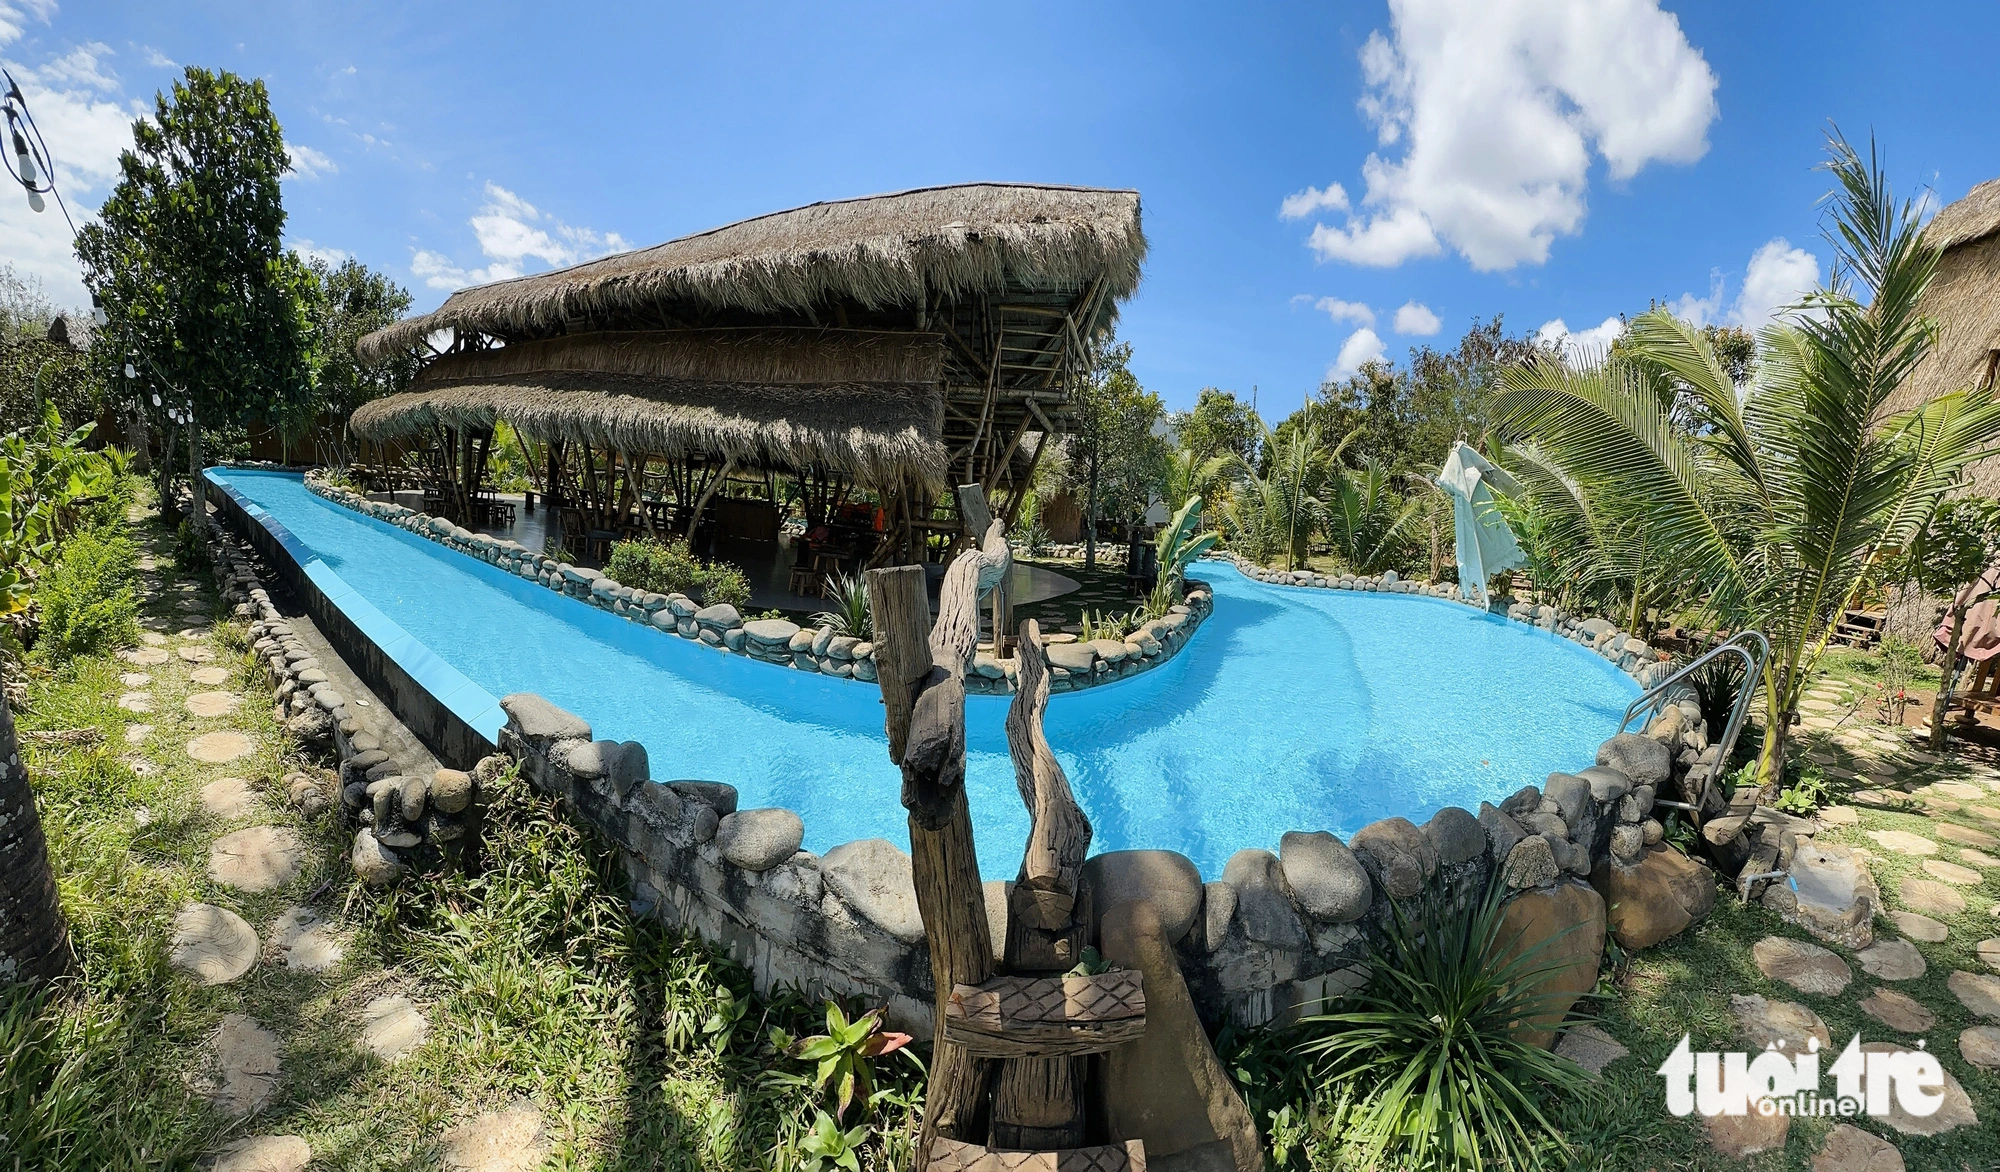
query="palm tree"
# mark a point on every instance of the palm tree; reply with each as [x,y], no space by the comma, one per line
[34,938]
[1281,511]
[1189,475]
[1787,499]
[1366,517]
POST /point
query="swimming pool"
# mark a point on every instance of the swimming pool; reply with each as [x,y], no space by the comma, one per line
[1289,709]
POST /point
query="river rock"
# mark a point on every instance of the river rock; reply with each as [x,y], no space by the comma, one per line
[1166,879]
[719,617]
[1532,863]
[1761,1023]
[770,632]
[1264,900]
[1641,758]
[719,796]
[374,864]
[1565,923]
[875,879]
[1656,899]
[1805,967]
[1326,878]
[1218,909]
[1397,855]
[450,791]
[1590,1047]
[1830,894]
[1456,836]
[1891,960]
[539,721]
[758,840]
[1503,834]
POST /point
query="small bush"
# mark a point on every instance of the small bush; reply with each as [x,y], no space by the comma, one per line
[670,567]
[87,597]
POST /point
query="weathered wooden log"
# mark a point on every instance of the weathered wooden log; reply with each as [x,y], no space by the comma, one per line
[1014,1016]
[1045,890]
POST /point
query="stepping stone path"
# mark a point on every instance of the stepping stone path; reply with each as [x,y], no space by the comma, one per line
[305,943]
[392,1027]
[259,858]
[1918,927]
[139,766]
[1989,953]
[1978,858]
[1980,1046]
[210,677]
[151,639]
[1850,1149]
[1976,991]
[136,702]
[263,1153]
[1590,1048]
[1990,813]
[1762,1023]
[1892,960]
[208,704]
[135,679]
[1960,790]
[229,797]
[1805,967]
[195,654]
[1898,1011]
[1965,835]
[1742,1136]
[1954,1113]
[136,734]
[1951,873]
[1839,816]
[214,945]
[1903,842]
[1934,899]
[248,1056]
[220,748]
[498,1141]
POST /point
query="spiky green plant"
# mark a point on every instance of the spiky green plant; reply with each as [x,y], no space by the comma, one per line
[1175,549]
[1786,500]
[1432,1056]
[851,613]
[1366,516]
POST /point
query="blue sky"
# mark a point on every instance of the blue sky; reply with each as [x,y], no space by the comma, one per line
[1549,160]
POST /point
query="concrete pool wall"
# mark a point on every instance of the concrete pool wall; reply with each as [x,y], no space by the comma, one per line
[1278,934]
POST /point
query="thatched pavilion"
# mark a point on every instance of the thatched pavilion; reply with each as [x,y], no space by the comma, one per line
[889,345]
[1964,300]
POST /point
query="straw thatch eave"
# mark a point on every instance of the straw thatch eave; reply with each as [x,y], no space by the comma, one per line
[867,405]
[903,250]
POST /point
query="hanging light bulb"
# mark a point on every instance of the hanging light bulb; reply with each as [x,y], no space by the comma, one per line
[98,315]
[156,399]
[131,371]
[27,160]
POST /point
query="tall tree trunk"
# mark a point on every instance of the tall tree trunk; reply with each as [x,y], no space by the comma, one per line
[136,439]
[1090,518]
[170,509]
[1777,728]
[1942,705]
[196,497]
[34,938]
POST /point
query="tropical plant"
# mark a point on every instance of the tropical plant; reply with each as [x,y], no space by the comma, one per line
[1366,517]
[1717,685]
[845,1054]
[1787,500]
[827,1146]
[1175,549]
[1432,1053]
[1281,509]
[851,613]
[1948,558]
[49,485]
[1111,624]
[1189,475]
[87,596]
[670,567]
[1900,661]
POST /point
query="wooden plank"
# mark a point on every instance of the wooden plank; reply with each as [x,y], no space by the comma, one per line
[952,1156]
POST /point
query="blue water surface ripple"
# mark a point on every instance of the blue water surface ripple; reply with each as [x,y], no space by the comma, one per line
[1290,709]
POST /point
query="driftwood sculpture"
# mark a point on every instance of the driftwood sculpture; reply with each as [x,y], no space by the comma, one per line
[1037,1021]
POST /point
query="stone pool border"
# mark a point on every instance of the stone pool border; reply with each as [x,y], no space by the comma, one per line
[1279,934]
[781,642]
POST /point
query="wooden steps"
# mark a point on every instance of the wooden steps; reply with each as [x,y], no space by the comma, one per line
[1045,1017]
[949,1155]
[1860,629]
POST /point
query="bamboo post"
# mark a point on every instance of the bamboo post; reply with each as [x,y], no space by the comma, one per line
[921,667]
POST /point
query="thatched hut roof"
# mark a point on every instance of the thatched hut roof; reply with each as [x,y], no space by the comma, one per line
[868,404]
[1964,301]
[877,252]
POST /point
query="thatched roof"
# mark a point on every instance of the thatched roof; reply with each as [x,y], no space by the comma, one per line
[1964,301]
[880,251]
[868,404]
[1968,219]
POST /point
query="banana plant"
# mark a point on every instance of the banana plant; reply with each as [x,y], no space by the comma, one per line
[1177,548]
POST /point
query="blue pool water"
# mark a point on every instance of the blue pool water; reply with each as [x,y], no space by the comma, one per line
[1290,709]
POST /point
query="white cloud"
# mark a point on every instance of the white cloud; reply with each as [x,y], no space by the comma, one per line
[1584,345]
[1340,311]
[331,257]
[82,66]
[511,233]
[15,14]
[308,163]
[1362,347]
[159,60]
[1415,319]
[1498,110]
[1777,277]
[1300,204]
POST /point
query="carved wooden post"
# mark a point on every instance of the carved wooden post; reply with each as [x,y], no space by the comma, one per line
[1038,1102]
[923,697]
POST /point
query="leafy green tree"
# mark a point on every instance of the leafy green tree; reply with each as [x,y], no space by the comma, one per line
[346,302]
[1282,509]
[1366,517]
[1116,454]
[1219,424]
[1951,554]
[189,258]
[39,361]
[1788,503]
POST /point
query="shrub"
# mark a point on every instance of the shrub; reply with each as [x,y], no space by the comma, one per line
[851,613]
[1430,1062]
[87,597]
[670,567]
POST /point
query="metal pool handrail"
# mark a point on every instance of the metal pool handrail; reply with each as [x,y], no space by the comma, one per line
[1755,651]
